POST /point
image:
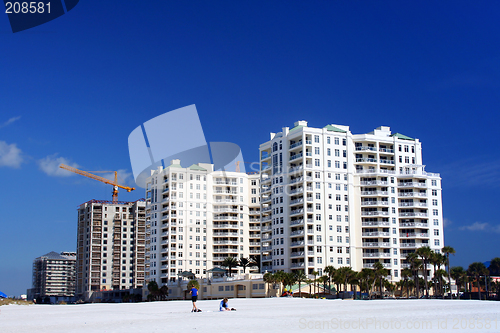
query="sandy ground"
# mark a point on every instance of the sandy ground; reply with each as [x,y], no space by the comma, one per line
[257,315]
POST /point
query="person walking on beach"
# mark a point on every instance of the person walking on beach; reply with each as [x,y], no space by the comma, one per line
[194,298]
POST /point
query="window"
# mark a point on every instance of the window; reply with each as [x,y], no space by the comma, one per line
[328,139]
[339,228]
[319,260]
[318,227]
[316,150]
[435,212]
[436,232]
[436,242]
[339,249]
[337,153]
[339,239]
[339,261]
[316,162]
[336,141]
[434,192]
[434,182]
[337,164]
[316,138]
[329,163]
[338,208]
[436,222]
[434,202]
[328,152]
[344,142]
[318,238]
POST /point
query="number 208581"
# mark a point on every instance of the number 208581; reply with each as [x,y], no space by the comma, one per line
[27,7]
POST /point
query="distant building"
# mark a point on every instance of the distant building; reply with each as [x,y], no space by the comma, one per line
[110,246]
[54,277]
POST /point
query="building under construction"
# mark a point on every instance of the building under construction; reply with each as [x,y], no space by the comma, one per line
[110,246]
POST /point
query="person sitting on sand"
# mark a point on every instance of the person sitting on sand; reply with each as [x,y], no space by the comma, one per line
[224,305]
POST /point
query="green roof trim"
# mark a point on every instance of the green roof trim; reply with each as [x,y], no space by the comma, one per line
[174,166]
[333,129]
[402,136]
[197,167]
[296,127]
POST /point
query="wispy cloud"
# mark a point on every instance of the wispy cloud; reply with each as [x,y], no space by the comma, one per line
[470,172]
[10,155]
[50,165]
[10,121]
[123,176]
[447,222]
[481,226]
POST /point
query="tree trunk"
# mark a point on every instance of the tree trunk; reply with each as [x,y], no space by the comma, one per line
[478,287]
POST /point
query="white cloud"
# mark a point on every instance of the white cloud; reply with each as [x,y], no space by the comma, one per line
[50,165]
[447,222]
[10,121]
[123,176]
[10,155]
[481,226]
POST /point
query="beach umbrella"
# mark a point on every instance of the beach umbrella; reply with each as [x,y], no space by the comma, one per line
[2,295]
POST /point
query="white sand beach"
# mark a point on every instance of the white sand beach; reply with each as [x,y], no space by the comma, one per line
[257,315]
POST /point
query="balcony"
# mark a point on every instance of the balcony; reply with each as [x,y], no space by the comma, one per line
[376,255]
[377,193]
[413,214]
[384,161]
[226,200]
[296,211]
[366,160]
[374,213]
[225,234]
[297,232]
[222,218]
[226,225]
[370,265]
[374,182]
[412,184]
[377,244]
[297,254]
[297,190]
[297,222]
[375,171]
[414,235]
[295,145]
[413,245]
[226,242]
[375,224]
[297,265]
[296,180]
[297,201]
[226,183]
[297,168]
[375,234]
[298,243]
[365,148]
[386,150]
[226,210]
[412,194]
[414,224]
[296,156]
[413,204]
[374,203]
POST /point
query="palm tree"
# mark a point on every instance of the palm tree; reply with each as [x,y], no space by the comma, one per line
[379,272]
[365,277]
[415,264]
[163,292]
[330,271]
[256,261]
[458,274]
[447,250]
[425,253]
[279,277]
[494,267]
[245,262]
[315,277]
[289,280]
[476,269]
[300,276]
[153,291]
[354,281]
[344,273]
[230,263]
[405,274]
[193,283]
[268,278]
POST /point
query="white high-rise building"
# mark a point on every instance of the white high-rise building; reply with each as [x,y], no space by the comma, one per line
[110,246]
[329,197]
[197,217]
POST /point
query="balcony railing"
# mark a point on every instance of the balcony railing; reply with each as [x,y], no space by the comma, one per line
[413,224]
[296,156]
[414,235]
[374,213]
[365,148]
[375,224]
[296,144]
[413,214]
[377,244]
[375,234]
[413,204]
[374,203]
[374,182]
[297,222]
[376,254]
[374,193]
[412,194]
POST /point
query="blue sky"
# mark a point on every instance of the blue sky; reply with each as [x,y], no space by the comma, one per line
[73,89]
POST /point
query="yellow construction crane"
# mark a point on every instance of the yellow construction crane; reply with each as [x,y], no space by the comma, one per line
[101,179]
